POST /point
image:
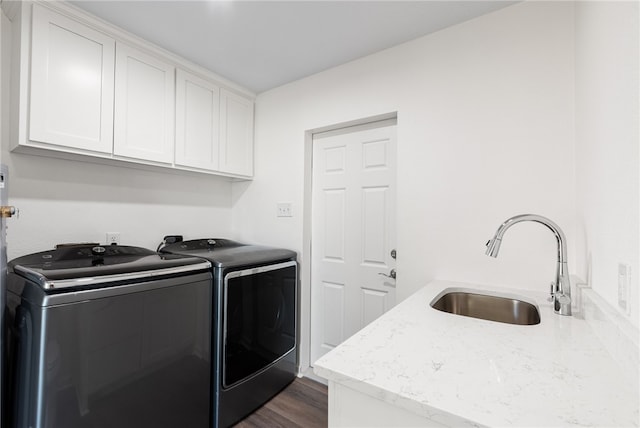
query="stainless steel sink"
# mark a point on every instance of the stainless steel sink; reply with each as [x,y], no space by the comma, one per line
[487,306]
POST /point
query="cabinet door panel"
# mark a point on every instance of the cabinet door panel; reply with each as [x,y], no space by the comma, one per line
[236,134]
[197,122]
[71,83]
[144,106]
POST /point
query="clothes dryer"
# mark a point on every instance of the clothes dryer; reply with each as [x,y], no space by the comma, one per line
[255,301]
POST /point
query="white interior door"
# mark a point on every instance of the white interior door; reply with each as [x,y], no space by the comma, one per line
[353,232]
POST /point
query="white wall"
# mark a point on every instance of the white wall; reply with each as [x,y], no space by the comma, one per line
[485,131]
[607,145]
[70,201]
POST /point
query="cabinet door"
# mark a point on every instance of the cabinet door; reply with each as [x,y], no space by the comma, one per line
[197,122]
[236,134]
[72,76]
[144,106]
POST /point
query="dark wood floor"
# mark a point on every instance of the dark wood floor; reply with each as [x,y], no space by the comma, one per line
[302,404]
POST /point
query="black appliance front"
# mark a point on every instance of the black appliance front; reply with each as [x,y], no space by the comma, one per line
[106,351]
[255,308]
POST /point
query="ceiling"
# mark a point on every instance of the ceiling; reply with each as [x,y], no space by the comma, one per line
[264,44]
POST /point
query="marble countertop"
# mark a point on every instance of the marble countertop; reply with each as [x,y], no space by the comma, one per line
[461,371]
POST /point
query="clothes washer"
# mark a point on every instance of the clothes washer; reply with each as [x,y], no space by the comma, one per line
[109,336]
[255,302]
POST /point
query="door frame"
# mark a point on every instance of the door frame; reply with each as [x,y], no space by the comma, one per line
[304,339]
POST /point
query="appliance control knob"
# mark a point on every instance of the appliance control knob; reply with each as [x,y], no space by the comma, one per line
[98,251]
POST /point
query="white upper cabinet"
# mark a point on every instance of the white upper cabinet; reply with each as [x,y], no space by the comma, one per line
[71,83]
[236,134]
[86,89]
[144,106]
[197,122]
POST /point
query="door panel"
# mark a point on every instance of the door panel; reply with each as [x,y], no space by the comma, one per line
[144,106]
[197,122]
[236,134]
[353,232]
[374,213]
[334,206]
[333,296]
[374,303]
[71,83]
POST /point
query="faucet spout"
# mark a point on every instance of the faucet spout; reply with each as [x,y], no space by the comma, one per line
[561,288]
[493,247]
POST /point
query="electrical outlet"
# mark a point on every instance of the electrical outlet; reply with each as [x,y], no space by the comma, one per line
[624,280]
[284,209]
[113,238]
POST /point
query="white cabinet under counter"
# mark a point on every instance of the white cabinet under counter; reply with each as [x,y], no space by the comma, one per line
[85,89]
[417,366]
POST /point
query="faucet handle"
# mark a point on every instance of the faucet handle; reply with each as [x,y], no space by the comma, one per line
[552,292]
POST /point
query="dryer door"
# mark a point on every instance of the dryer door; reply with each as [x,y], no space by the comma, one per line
[259,319]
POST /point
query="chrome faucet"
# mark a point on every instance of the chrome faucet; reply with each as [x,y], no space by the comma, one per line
[561,288]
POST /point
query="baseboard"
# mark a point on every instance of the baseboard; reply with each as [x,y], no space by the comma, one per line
[311,375]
